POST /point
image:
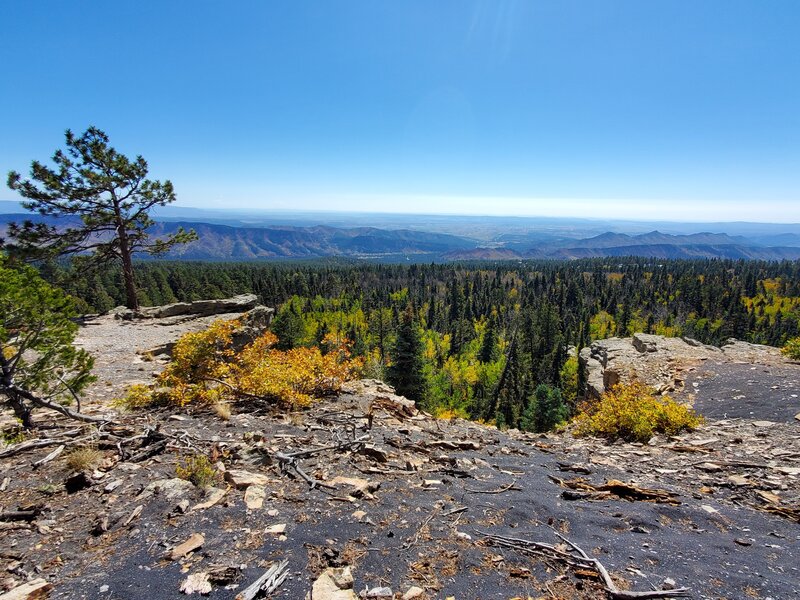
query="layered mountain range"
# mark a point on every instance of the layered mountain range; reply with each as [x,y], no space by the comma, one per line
[240,241]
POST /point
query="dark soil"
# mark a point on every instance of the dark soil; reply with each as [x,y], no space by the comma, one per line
[725,390]
[715,545]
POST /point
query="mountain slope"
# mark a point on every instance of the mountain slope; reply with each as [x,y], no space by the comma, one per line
[225,242]
[222,242]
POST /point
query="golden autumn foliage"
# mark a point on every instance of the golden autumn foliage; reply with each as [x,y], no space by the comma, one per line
[206,370]
[792,348]
[197,469]
[631,412]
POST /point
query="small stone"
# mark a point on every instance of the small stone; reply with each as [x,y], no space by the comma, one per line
[375,453]
[743,542]
[788,470]
[380,592]
[738,480]
[273,512]
[244,479]
[196,583]
[77,482]
[669,584]
[709,467]
[213,495]
[195,541]
[168,488]
[327,588]
[343,577]
[278,529]
[413,592]
[254,496]
[359,515]
[112,485]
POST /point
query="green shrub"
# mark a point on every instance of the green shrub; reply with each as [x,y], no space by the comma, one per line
[632,413]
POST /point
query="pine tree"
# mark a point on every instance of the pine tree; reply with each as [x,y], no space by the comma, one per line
[406,371]
[39,365]
[103,198]
[488,351]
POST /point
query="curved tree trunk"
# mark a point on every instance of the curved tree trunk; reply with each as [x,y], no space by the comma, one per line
[132,301]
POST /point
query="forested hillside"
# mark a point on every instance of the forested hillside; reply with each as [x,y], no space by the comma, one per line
[492,343]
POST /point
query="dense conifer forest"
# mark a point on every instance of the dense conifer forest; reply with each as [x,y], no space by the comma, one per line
[495,342]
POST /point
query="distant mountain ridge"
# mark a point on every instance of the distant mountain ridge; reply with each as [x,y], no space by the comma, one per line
[222,242]
[226,242]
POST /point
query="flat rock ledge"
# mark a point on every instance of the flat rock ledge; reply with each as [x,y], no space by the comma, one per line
[198,308]
[659,361]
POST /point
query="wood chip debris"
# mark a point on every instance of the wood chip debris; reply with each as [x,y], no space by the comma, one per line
[614,488]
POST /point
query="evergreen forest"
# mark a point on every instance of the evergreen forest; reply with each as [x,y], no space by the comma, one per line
[495,342]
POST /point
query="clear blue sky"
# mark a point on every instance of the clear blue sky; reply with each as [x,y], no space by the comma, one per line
[677,110]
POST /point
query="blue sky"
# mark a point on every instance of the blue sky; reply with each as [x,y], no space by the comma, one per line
[674,110]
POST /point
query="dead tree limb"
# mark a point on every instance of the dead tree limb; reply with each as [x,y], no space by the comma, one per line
[267,583]
[50,457]
[413,541]
[44,443]
[511,486]
[42,403]
[577,558]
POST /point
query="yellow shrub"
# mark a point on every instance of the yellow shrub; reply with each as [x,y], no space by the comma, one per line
[631,412]
[447,413]
[792,348]
[205,370]
[292,377]
[197,469]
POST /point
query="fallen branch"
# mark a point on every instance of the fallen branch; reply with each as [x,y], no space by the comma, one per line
[67,412]
[44,443]
[288,461]
[511,486]
[413,541]
[575,557]
[20,515]
[50,457]
[267,583]
[343,446]
[618,489]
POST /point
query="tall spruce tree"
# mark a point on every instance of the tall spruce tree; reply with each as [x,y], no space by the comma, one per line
[406,371]
[104,200]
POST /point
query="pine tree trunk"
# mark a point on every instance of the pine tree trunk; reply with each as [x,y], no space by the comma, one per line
[21,410]
[132,301]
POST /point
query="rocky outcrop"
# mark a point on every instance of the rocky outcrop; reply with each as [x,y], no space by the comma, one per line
[252,324]
[198,308]
[659,361]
